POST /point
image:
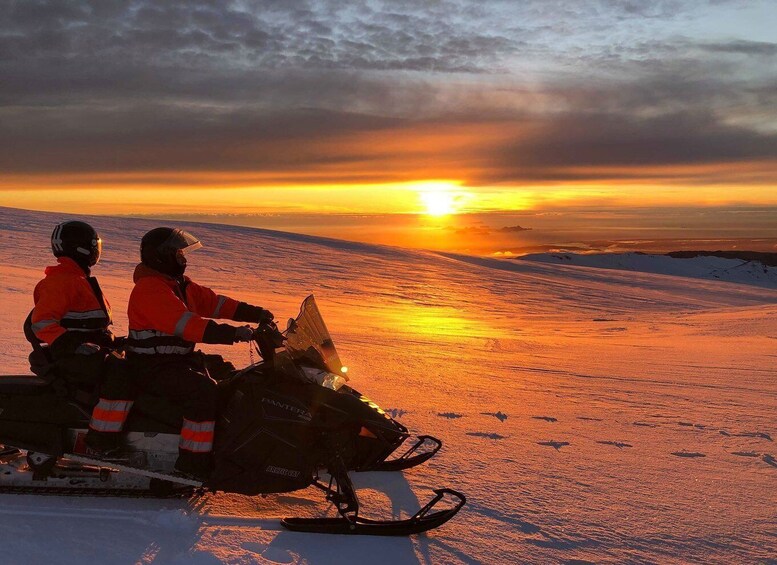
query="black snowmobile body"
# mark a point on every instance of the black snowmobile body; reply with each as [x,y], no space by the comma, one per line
[284,423]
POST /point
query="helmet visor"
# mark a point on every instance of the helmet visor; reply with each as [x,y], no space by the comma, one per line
[94,252]
[179,244]
[97,251]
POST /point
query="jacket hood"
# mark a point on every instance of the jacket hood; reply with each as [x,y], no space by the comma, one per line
[144,271]
[65,265]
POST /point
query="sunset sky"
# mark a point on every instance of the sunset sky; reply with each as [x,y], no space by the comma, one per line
[280,108]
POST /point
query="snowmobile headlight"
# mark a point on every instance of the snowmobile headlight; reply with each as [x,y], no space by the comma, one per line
[333,381]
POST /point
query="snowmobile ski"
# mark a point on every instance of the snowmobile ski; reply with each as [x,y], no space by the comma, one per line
[421,521]
[341,492]
[411,458]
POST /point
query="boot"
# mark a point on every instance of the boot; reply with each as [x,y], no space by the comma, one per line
[103,443]
[197,466]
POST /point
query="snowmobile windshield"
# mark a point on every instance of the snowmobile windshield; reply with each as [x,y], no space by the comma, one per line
[308,340]
[180,243]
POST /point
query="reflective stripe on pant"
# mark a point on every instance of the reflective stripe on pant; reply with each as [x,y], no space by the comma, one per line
[110,415]
[197,436]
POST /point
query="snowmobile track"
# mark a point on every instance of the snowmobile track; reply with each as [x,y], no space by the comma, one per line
[133,470]
[96,492]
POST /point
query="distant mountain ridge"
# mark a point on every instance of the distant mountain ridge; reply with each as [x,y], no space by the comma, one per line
[742,267]
[768,259]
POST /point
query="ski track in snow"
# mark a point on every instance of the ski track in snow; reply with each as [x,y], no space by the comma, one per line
[557,445]
[618,444]
[761,435]
[635,375]
[488,435]
[688,454]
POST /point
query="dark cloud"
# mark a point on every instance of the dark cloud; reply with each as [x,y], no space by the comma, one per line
[202,35]
[497,91]
[470,230]
[607,140]
[742,47]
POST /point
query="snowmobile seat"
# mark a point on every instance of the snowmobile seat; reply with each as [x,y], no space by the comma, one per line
[37,423]
[23,385]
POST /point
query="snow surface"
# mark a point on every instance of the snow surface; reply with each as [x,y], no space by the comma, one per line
[701,267]
[590,415]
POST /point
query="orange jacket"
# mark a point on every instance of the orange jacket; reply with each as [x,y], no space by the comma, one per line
[165,318]
[69,301]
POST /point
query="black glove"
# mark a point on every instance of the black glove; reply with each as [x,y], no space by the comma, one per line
[244,333]
[248,313]
[65,345]
[222,334]
[87,349]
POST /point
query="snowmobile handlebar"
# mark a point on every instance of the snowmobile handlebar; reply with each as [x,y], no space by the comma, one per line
[268,338]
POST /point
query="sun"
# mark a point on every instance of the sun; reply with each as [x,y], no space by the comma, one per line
[438,203]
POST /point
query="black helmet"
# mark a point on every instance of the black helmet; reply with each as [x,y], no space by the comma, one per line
[164,250]
[77,240]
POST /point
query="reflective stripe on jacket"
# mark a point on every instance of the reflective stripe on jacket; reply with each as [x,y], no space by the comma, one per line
[165,318]
[66,301]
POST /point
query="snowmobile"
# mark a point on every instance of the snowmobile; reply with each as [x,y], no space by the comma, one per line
[287,422]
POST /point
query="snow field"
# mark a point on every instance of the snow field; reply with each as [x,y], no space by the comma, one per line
[589,415]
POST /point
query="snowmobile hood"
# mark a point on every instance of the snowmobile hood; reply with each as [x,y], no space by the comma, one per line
[66,265]
[143,271]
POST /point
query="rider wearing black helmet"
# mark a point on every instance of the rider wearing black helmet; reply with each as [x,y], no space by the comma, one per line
[70,324]
[168,314]
[78,241]
[71,313]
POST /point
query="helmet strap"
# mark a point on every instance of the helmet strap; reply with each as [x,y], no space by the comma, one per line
[83,262]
